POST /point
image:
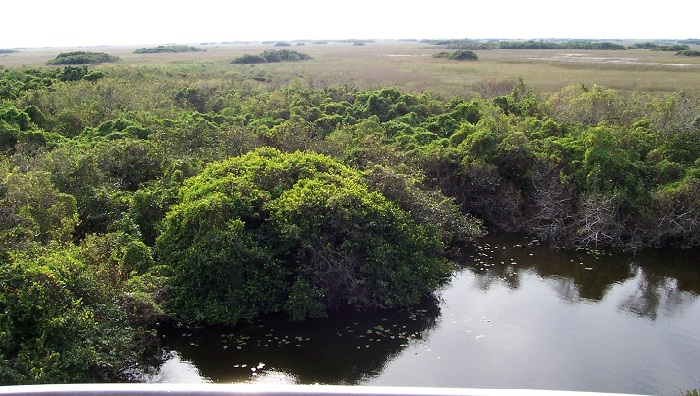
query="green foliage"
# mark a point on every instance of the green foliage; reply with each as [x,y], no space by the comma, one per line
[12,123]
[34,211]
[101,175]
[247,59]
[168,49]
[465,44]
[14,82]
[427,207]
[13,117]
[461,55]
[82,57]
[284,56]
[572,44]
[60,323]
[8,137]
[73,73]
[657,47]
[588,106]
[116,129]
[272,56]
[688,52]
[269,231]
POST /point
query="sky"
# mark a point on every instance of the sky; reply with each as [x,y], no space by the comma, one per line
[60,23]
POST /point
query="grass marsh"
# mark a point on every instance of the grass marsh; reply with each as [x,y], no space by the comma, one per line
[409,66]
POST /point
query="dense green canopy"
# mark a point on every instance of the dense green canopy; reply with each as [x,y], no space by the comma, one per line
[300,232]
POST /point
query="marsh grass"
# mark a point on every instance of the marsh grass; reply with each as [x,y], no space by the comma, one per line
[409,66]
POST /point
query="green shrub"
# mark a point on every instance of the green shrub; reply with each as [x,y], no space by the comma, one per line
[34,212]
[300,232]
[60,324]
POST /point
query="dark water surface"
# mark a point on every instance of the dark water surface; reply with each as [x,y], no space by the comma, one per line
[515,315]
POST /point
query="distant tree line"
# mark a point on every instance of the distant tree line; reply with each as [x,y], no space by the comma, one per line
[659,47]
[689,53]
[7,50]
[353,41]
[168,48]
[467,44]
[573,44]
[471,44]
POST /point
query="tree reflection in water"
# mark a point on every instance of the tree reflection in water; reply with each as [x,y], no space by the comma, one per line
[666,280]
[342,349]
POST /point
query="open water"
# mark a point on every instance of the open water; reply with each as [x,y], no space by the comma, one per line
[515,315]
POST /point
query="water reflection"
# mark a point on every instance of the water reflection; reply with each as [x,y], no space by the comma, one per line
[516,315]
[666,281]
[656,294]
[342,349]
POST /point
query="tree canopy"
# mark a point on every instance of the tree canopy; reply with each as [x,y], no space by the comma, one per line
[299,232]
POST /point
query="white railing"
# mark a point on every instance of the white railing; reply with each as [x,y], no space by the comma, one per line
[266,390]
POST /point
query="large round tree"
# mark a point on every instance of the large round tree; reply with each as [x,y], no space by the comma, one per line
[298,232]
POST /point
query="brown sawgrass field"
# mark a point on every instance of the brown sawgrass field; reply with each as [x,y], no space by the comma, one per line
[409,66]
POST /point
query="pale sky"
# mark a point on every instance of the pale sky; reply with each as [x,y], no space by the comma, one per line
[56,23]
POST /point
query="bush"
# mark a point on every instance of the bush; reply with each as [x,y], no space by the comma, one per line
[60,323]
[33,211]
[300,232]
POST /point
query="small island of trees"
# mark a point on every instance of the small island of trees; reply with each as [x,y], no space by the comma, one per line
[462,55]
[272,56]
[82,58]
